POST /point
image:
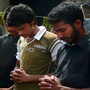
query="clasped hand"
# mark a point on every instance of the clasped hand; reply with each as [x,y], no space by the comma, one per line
[19,75]
[51,83]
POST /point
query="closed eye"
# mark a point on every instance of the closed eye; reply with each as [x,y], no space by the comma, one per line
[21,28]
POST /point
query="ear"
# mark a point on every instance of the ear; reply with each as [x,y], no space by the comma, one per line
[78,23]
[32,23]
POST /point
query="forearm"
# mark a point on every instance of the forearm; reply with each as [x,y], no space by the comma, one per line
[35,78]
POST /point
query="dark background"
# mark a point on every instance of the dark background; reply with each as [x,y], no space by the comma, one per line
[40,7]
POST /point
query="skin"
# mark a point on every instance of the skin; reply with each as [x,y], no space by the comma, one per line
[53,83]
[11,31]
[19,75]
[27,30]
[70,34]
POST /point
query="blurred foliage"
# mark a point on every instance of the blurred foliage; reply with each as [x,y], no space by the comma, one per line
[46,24]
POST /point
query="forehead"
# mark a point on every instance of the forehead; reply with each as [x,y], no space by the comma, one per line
[59,25]
[18,27]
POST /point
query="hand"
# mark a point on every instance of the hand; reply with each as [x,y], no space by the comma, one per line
[16,75]
[25,77]
[49,83]
[19,75]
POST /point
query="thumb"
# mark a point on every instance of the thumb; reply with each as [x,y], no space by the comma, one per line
[21,69]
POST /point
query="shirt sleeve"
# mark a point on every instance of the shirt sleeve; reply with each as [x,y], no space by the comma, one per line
[55,50]
[18,57]
[20,44]
[18,54]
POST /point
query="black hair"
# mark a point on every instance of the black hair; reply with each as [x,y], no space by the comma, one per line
[67,12]
[6,11]
[19,15]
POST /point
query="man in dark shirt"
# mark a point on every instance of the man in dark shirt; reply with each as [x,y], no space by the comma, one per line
[8,49]
[73,59]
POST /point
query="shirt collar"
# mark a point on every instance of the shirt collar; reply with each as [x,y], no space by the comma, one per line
[83,42]
[40,33]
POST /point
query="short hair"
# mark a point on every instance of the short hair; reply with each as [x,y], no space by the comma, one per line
[6,11]
[67,12]
[19,15]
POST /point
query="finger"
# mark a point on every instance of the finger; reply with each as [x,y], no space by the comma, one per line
[45,84]
[21,69]
[47,79]
[45,88]
[12,71]
[53,78]
[16,74]
[16,79]
[18,71]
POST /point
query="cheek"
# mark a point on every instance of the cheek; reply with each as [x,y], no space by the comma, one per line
[68,32]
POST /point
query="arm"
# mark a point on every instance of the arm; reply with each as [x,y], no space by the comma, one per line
[53,83]
[55,51]
[19,75]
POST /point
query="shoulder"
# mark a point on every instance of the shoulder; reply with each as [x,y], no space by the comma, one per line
[51,40]
[49,37]
[50,34]
[3,37]
[21,42]
[21,39]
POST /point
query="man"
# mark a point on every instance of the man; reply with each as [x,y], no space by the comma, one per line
[37,48]
[73,58]
[8,50]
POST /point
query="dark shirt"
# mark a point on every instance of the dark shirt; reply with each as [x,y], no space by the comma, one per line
[8,49]
[73,64]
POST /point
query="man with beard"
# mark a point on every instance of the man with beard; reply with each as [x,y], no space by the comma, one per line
[73,59]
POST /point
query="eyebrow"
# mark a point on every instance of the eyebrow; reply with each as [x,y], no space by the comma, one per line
[21,28]
[58,29]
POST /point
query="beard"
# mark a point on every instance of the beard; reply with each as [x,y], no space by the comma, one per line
[74,35]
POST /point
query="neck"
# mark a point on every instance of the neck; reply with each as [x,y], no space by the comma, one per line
[83,32]
[15,36]
[34,32]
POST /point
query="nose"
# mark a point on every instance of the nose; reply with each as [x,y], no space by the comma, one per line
[9,28]
[20,33]
[59,35]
